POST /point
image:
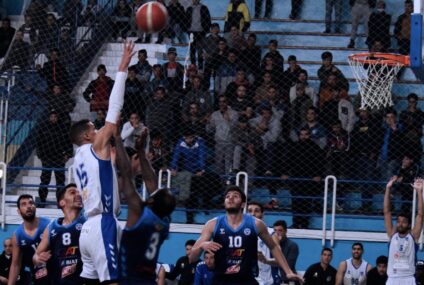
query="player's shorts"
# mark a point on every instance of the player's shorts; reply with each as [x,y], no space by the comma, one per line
[401,281]
[99,245]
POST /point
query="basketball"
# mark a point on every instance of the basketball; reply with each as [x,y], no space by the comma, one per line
[152,17]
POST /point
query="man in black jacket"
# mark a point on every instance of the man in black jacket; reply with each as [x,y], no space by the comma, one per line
[378,275]
[198,23]
[6,260]
[379,26]
[321,273]
[403,28]
[183,267]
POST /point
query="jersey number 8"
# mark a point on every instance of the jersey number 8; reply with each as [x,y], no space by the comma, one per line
[66,239]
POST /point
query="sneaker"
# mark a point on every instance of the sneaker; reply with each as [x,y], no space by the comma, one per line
[351,44]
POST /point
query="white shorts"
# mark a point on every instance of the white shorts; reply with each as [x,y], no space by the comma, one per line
[99,244]
[401,281]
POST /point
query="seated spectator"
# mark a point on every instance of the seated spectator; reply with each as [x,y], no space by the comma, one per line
[291,74]
[338,145]
[302,78]
[158,80]
[134,99]
[239,80]
[199,96]
[177,20]
[62,102]
[338,109]
[194,118]
[20,54]
[6,36]
[37,10]
[67,47]
[53,148]
[29,31]
[273,52]
[6,262]
[251,56]
[205,270]
[268,127]
[48,34]
[98,91]
[268,65]
[221,122]
[100,120]
[235,39]
[131,130]
[321,273]
[412,119]
[379,26]
[378,275]
[159,114]
[300,106]
[241,102]
[214,62]
[402,30]
[317,132]
[90,12]
[289,247]
[174,71]
[327,90]
[159,153]
[237,14]
[328,68]
[72,10]
[268,8]
[278,105]
[55,72]
[191,72]
[143,69]
[406,175]
[183,267]
[393,145]
[211,42]
[121,19]
[226,73]
[262,90]
[360,12]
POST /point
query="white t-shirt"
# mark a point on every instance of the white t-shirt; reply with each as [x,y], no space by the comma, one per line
[355,276]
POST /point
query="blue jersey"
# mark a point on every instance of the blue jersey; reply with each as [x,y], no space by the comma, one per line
[203,275]
[28,244]
[140,246]
[65,265]
[238,257]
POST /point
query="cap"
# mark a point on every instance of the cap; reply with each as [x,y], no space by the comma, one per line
[172,50]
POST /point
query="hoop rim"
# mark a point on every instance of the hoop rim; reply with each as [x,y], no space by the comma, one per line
[390,59]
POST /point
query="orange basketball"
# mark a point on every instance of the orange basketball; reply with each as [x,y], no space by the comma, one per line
[152,17]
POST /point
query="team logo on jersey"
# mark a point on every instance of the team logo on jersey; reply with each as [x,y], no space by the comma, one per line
[222,231]
[247,231]
[53,233]
[23,242]
[78,226]
[233,269]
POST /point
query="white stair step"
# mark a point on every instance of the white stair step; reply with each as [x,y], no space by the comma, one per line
[148,47]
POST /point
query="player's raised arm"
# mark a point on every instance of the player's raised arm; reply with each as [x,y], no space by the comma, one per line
[15,266]
[388,224]
[42,254]
[147,171]
[116,101]
[204,242]
[416,230]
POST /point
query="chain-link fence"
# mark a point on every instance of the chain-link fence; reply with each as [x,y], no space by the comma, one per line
[262,87]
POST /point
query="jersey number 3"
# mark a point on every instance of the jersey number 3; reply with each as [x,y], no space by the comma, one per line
[153,246]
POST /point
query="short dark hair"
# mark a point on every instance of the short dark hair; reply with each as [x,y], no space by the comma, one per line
[143,51]
[235,188]
[233,50]
[60,193]
[214,25]
[292,58]
[77,129]
[6,20]
[382,259]
[156,66]
[315,109]
[252,35]
[162,203]
[408,2]
[280,223]
[222,40]
[101,66]
[132,68]
[326,249]
[304,72]
[273,42]
[390,111]
[303,129]
[190,242]
[358,244]
[256,203]
[406,216]
[336,122]
[412,96]
[327,55]
[21,197]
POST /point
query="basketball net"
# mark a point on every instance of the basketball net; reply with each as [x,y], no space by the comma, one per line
[374,73]
[187,58]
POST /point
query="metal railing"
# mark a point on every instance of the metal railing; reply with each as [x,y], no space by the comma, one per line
[325,210]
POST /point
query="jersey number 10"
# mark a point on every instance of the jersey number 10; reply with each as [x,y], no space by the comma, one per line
[235,241]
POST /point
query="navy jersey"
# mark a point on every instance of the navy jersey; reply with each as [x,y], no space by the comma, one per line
[140,246]
[28,245]
[238,257]
[65,265]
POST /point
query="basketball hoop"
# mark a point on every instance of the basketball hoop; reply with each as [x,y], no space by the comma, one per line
[374,73]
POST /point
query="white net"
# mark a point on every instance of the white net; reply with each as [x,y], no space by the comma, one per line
[375,74]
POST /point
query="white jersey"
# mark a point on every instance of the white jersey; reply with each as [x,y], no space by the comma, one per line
[97,182]
[402,254]
[265,274]
[353,275]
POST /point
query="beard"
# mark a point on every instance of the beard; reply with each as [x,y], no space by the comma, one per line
[233,210]
[29,218]
[402,230]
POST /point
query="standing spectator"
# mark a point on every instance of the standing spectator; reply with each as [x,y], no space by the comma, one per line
[71,13]
[302,78]
[241,103]
[67,47]
[48,34]
[268,65]
[289,248]
[159,114]
[174,71]
[55,71]
[6,36]
[204,270]
[295,9]
[321,273]
[53,148]
[131,130]
[177,20]
[214,62]
[134,99]
[379,26]
[300,106]
[194,118]
[318,133]
[353,270]
[98,91]
[309,152]
[412,120]
[5,262]
[221,122]
[338,108]
[239,80]
[159,152]
[143,69]
[62,102]
[245,143]
[290,75]
[20,53]
[158,80]
[90,12]
[328,68]
[338,146]
[378,275]
[227,72]
[198,24]
[403,28]
[211,42]
[251,56]
[100,120]
[406,175]
[361,10]
[273,52]
[235,39]
[183,267]
[327,90]
[121,19]
[199,96]
[29,31]
[268,8]
[262,90]
[337,5]
[238,15]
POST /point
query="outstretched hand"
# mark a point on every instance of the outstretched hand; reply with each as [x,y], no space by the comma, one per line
[392,180]
[295,277]
[126,56]
[418,184]
[141,141]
